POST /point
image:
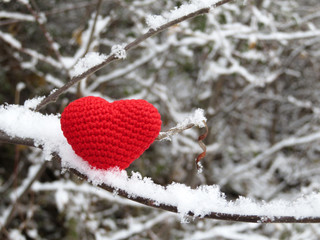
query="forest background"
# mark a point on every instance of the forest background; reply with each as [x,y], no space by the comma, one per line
[253,66]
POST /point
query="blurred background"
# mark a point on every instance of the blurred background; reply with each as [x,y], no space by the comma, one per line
[253,66]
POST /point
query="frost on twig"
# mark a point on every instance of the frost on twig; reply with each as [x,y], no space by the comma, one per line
[197,119]
[119,51]
[304,104]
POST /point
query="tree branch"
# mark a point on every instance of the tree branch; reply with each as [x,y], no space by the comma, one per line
[54,96]
[173,131]
[4,138]
[153,203]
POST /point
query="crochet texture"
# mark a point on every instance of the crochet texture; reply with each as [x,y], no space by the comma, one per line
[110,134]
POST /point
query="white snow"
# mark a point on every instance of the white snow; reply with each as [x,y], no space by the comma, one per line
[17,16]
[33,103]
[8,38]
[24,1]
[33,233]
[119,51]
[20,121]
[85,188]
[198,119]
[155,21]
[279,36]
[90,60]
[20,86]
[62,198]
[42,18]
[200,167]
[16,234]
[86,37]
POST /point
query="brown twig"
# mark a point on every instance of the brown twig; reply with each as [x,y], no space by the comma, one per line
[203,146]
[176,130]
[54,96]
[173,131]
[93,27]
[16,140]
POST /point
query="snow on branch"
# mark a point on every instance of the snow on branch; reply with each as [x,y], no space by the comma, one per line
[155,21]
[90,60]
[119,51]
[204,201]
[304,104]
[86,188]
[197,119]
[45,130]
[279,36]
[16,16]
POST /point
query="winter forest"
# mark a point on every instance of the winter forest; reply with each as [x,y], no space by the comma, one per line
[237,87]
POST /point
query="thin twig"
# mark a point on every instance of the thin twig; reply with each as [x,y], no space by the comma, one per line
[173,131]
[178,129]
[54,96]
[93,28]
[45,32]
[203,146]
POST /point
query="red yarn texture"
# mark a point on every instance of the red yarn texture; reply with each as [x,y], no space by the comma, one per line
[110,134]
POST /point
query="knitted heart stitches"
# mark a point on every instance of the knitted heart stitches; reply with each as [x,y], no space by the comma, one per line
[110,134]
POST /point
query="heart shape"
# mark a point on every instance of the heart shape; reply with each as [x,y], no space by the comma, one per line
[107,134]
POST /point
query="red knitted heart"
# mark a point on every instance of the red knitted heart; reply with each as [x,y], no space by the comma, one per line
[110,134]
